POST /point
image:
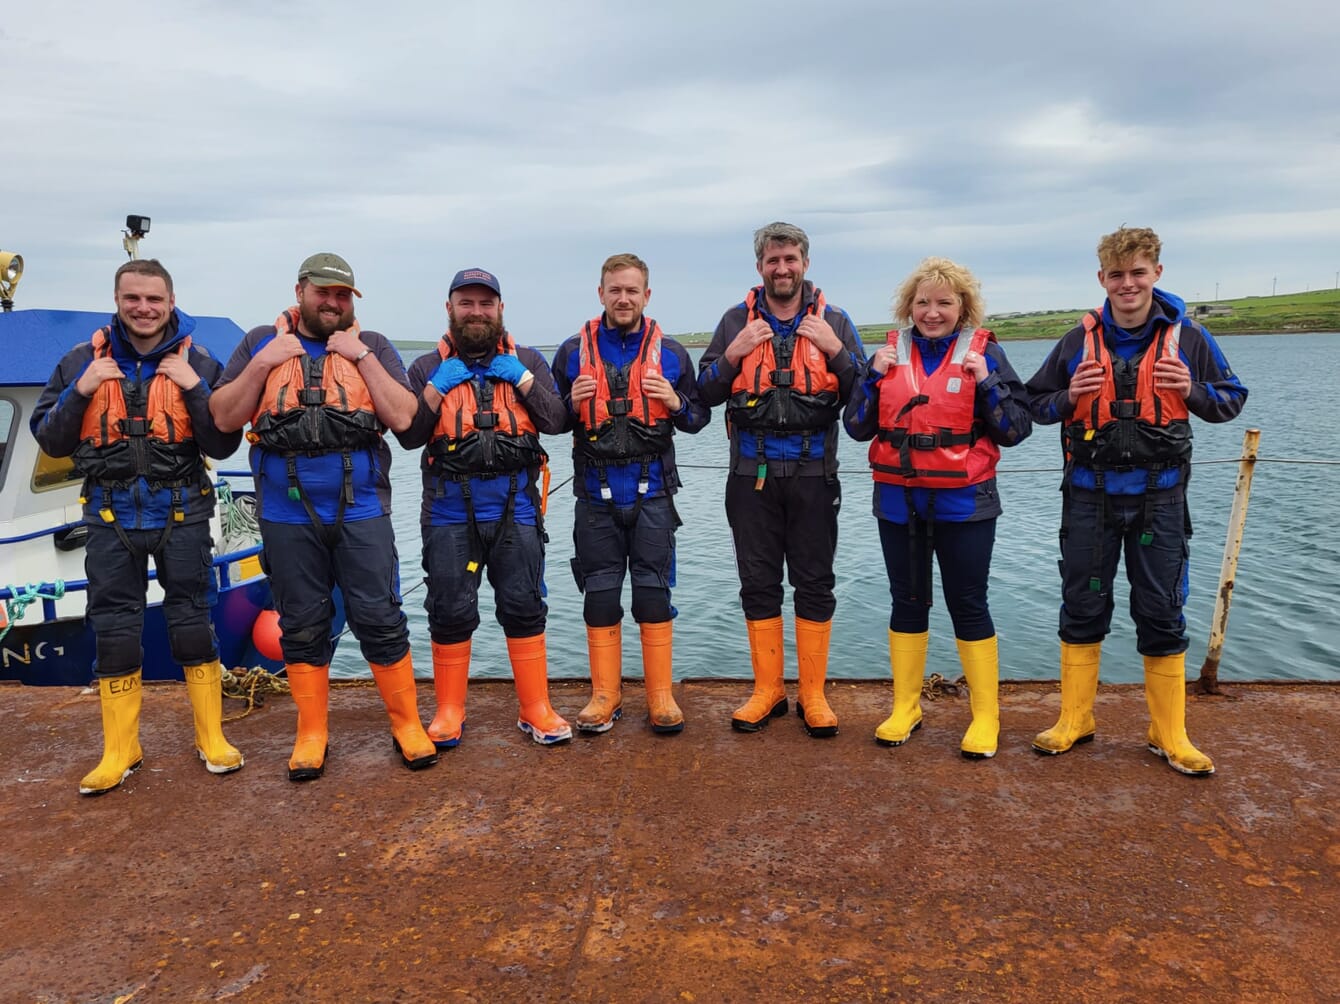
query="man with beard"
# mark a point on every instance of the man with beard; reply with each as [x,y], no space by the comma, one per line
[628,389]
[132,407]
[783,362]
[320,393]
[483,401]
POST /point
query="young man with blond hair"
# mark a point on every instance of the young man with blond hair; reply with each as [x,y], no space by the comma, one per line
[1124,384]
[628,389]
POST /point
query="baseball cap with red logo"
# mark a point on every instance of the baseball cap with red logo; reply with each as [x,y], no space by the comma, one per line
[474,277]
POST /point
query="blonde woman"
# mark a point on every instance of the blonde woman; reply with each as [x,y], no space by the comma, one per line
[936,404]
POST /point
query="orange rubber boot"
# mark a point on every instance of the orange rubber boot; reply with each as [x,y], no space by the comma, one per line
[530,669]
[395,682]
[769,697]
[812,655]
[657,674]
[310,688]
[605,647]
[451,674]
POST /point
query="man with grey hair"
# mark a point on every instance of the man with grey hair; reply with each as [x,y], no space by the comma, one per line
[783,362]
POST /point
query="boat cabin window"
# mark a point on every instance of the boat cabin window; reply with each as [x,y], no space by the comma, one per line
[52,472]
[6,430]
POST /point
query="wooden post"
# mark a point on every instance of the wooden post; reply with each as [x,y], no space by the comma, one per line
[1209,672]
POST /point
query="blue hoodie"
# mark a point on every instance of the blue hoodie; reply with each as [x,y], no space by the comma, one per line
[1216,393]
[59,415]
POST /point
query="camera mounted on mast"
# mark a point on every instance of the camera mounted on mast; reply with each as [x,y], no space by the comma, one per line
[137,227]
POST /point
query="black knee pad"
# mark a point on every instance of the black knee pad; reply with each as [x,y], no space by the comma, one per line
[601,608]
[651,604]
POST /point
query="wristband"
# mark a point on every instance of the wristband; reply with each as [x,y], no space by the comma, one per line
[361,356]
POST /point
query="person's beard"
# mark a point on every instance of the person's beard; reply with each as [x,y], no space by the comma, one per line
[322,323]
[476,337]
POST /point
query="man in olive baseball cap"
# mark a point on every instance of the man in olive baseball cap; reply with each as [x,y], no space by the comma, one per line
[326,269]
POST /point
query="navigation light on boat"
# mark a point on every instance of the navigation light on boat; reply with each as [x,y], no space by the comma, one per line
[11,270]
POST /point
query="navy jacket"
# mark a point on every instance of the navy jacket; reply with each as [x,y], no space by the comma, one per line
[488,495]
[60,409]
[1216,393]
[618,348]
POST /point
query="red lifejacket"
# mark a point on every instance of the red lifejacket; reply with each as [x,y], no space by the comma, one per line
[155,415]
[629,425]
[929,436]
[1149,429]
[791,395]
[314,405]
[482,428]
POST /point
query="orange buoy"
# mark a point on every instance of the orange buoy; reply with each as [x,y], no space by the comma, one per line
[265,635]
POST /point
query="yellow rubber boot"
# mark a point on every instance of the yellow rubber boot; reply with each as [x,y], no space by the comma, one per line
[204,687]
[605,648]
[451,676]
[981,668]
[1079,687]
[812,656]
[530,669]
[121,754]
[310,688]
[657,674]
[769,697]
[395,682]
[1165,692]
[907,660]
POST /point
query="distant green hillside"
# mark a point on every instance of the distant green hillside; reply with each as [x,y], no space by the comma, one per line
[1318,310]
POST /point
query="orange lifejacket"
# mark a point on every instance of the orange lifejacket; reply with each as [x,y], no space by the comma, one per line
[1146,427]
[483,427]
[132,429]
[929,436]
[784,393]
[314,405]
[629,425]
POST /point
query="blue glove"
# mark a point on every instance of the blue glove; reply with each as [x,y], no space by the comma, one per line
[449,373]
[509,368]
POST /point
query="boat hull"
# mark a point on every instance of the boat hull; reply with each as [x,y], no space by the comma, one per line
[62,652]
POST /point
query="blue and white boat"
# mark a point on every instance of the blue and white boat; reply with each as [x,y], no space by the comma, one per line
[44,638]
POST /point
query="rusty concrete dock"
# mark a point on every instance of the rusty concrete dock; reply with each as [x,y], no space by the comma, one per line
[708,866]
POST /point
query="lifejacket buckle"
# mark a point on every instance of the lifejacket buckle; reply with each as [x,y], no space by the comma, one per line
[135,425]
[486,419]
[1125,409]
[922,441]
[619,406]
[310,396]
[782,378]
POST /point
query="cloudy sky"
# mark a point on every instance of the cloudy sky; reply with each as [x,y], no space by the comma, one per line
[535,138]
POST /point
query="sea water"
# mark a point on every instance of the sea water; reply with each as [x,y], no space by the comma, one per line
[1283,624]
